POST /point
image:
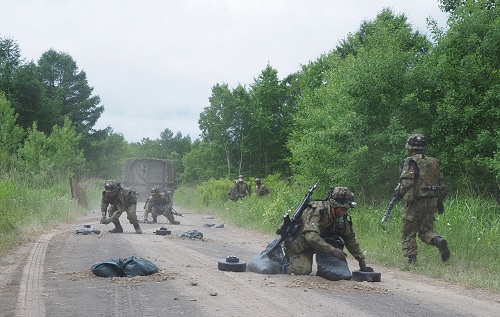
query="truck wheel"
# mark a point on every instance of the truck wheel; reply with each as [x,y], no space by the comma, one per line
[233,264]
[366,276]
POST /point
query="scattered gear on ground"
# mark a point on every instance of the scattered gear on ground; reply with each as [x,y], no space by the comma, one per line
[192,234]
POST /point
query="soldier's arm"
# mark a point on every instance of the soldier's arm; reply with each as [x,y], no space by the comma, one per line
[104,204]
[408,176]
[351,243]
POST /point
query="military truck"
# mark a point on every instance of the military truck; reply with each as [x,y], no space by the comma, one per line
[141,174]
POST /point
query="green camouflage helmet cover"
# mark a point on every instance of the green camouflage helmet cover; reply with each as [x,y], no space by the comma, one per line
[341,197]
[111,185]
[416,142]
[155,190]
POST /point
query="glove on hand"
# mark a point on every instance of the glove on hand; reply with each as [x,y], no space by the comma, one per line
[440,208]
[105,221]
[339,254]
[363,267]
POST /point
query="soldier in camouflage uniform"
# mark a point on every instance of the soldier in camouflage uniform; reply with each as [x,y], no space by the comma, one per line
[422,188]
[240,189]
[321,219]
[118,199]
[261,190]
[159,204]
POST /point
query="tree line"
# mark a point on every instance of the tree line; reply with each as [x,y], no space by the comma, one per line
[340,119]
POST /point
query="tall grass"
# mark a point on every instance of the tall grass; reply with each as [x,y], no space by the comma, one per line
[471,225]
[26,212]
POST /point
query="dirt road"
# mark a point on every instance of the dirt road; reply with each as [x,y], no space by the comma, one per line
[51,277]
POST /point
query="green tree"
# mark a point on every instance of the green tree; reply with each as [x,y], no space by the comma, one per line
[463,81]
[28,98]
[199,162]
[68,87]
[351,125]
[11,134]
[46,160]
[273,117]
[224,124]
[106,153]
[10,60]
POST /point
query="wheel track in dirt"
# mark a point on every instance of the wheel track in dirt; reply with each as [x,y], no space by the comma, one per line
[238,293]
[30,301]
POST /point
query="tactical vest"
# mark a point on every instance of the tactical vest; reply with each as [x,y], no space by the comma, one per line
[427,178]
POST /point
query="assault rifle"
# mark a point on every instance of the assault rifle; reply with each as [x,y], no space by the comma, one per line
[176,213]
[164,209]
[291,226]
[395,198]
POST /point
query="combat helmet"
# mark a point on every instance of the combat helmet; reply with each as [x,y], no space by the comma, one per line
[341,197]
[155,190]
[111,186]
[416,142]
[258,181]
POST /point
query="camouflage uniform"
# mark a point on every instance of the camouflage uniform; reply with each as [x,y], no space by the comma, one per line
[423,190]
[318,222]
[159,204]
[261,190]
[240,189]
[116,201]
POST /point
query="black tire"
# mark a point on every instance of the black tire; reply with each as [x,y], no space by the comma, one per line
[233,264]
[366,276]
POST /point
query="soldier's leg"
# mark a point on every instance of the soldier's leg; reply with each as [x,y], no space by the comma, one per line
[409,234]
[154,213]
[301,263]
[426,232]
[299,256]
[114,215]
[170,217]
[132,217]
[427,209]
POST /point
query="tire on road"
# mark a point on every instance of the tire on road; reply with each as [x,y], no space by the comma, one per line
[233,264]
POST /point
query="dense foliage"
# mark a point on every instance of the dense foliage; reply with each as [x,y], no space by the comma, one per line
[340,119]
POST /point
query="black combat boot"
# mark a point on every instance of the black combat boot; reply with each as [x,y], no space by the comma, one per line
[442,245]
[117,229]
[412,259]
[155,220]
[137,228]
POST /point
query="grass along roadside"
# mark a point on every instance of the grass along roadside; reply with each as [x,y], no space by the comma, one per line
[470,225]
[27,213]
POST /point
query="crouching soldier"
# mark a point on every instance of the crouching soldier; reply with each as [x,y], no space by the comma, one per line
[159,203]
[118,199]
[326,229]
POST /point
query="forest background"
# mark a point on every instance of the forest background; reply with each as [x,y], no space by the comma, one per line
[340,120]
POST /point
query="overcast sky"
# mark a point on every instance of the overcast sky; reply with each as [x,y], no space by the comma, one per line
[154,62]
